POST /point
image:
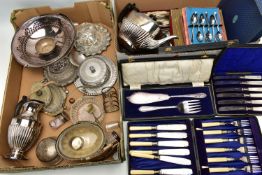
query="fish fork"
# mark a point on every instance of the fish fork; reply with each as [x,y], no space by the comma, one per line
[187,107]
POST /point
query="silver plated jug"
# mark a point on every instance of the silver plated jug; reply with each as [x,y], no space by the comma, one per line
[24,128]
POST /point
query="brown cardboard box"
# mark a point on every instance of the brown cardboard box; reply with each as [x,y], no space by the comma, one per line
[153,5]
[20,79]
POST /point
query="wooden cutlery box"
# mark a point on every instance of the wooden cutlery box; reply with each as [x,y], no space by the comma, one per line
[20,80]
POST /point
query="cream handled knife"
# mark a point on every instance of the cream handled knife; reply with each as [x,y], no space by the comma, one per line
[174,135]
[176,143]
[170,159]
[176,171]
[171,127]
[165,152]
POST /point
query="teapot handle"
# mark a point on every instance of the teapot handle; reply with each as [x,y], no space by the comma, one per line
[19,105]
[127,9]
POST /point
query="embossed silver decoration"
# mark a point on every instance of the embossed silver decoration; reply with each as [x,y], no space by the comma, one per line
[42,40]
[61,72]
[87,109]
[24,128]
[92,39]
[96,73]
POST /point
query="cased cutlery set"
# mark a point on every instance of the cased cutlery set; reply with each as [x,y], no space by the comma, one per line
[238,93]
[219,146]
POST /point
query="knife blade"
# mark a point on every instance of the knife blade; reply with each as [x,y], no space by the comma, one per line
[237,82]
[228,77]
[176,143]
[170,159]
[239,108]
[172,135]
[165,152]
[239,102]
[237,95]
[238,89]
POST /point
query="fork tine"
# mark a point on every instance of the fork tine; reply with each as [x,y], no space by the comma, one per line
[193,112]
[193,101]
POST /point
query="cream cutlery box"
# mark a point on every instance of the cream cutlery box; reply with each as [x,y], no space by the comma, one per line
[20,80]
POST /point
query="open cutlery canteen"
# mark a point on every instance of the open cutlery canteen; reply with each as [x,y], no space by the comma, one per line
[222,145]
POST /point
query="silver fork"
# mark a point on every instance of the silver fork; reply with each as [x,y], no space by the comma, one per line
[187,107]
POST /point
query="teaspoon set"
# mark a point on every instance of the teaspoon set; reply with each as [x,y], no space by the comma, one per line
[208,28]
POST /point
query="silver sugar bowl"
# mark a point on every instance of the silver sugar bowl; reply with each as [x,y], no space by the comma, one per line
[24,128]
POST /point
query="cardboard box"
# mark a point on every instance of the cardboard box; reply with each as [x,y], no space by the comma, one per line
[20,79]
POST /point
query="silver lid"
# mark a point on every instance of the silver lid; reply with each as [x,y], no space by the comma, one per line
[107,75]
[93,72]
[61,72]
[42,40]
[92,39]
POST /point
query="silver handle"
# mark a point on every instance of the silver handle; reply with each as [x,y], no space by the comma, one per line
[197,95]
[154,108]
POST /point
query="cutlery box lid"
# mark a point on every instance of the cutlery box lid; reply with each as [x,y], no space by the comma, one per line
[243,19]
[185,66]
[242,58]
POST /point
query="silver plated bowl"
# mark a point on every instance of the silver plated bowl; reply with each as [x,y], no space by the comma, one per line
[42,40]
[92,39]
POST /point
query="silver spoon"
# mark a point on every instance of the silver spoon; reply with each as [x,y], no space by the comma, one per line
[202,21]
[219,36]
[212,22]
[193,23]
[208,34]
[199,34]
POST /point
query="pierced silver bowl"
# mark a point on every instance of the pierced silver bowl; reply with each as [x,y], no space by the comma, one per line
[42,40]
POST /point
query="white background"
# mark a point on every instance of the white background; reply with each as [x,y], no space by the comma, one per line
[6,34]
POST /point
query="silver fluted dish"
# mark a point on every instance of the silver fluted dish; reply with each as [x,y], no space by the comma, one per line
[42,40]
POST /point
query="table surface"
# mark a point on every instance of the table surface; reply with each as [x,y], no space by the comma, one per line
[6,34]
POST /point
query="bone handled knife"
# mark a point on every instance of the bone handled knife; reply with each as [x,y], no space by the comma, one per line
[177,143]
[257,83]
[237,95]
[172,127]
[237,89]
[170,159]
[246,77]
[175,171]
[239,102]
[239,108]
[174,135]
[165,152]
